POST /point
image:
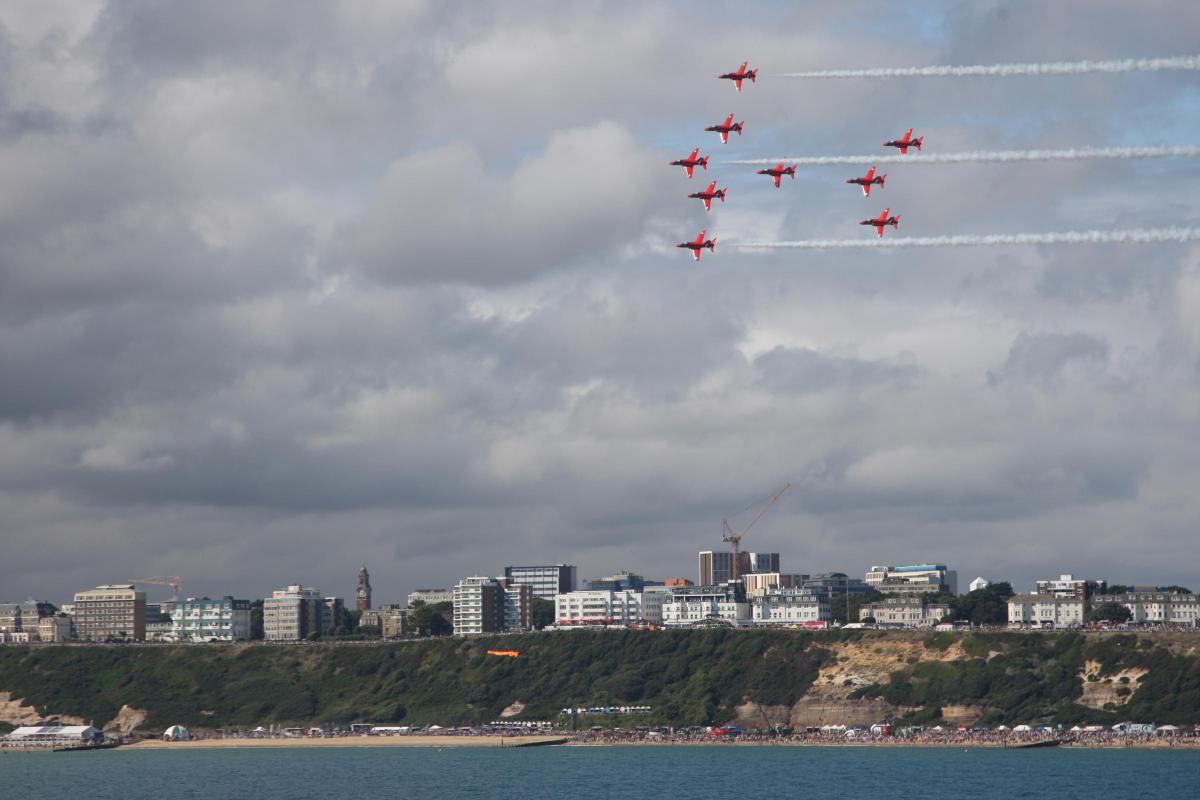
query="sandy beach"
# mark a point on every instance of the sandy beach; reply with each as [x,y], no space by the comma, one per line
[353,741]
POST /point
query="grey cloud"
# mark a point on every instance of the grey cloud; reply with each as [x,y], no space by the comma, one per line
[290,287]
[1038,358]
[443,215]
[792,370]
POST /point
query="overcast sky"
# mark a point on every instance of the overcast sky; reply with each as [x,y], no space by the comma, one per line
[288,287]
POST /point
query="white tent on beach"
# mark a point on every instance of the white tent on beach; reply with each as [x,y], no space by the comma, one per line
[176,733]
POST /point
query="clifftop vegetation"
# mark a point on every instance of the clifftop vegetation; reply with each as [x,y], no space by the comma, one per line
[687,677]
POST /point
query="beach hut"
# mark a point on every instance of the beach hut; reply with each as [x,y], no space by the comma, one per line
[176,733]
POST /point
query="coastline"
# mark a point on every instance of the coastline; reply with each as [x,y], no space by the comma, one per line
[350,741]
[533,741]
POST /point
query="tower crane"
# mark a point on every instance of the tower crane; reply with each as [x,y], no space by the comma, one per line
[174,581]
[735,537]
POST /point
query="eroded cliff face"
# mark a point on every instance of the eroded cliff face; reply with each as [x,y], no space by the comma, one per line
[853,665]
[15,711]
[1108,691]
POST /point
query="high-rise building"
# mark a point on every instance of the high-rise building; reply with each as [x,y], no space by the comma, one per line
[201,619]
[478,606]
[292,613]
[715,566]
[545,581]
[492,605]
[362,595]
[110,611]
[762,562]
[518,605]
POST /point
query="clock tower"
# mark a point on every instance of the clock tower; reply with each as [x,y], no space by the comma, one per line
[363,594]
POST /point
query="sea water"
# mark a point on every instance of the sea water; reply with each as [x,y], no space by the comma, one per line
[555,773]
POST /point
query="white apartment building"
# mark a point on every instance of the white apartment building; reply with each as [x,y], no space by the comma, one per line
[478,606]
[292,613]
[1045,609]
[697,605]
[904,612]
[1156,607]
[202,620]
[979,583]
[913,579]
[603,607]
[791,607]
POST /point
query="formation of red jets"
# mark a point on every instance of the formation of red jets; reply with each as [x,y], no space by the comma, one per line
[776,173]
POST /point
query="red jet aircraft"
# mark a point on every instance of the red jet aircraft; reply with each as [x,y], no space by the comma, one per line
[741,75]
[708,194]
[698,244]
[906,141]
[691,162]
[725,127]
[867,180]
[778,171]
[882,220]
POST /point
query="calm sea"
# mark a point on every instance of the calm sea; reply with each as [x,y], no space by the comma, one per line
[555,773]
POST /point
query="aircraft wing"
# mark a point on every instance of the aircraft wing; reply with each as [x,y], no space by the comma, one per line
[696,252]
[689,169]
[724,137]
[707,203]
[879,230]
[777,179]
[737,84]
[866,190]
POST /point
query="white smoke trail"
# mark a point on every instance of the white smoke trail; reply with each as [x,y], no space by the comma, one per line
[979,157]
[1134,236]
[1010,70]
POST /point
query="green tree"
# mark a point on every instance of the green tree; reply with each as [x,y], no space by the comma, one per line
[427,620]
[1110,612]
[986,606]
[543,613]
[256,620]
[350,618]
